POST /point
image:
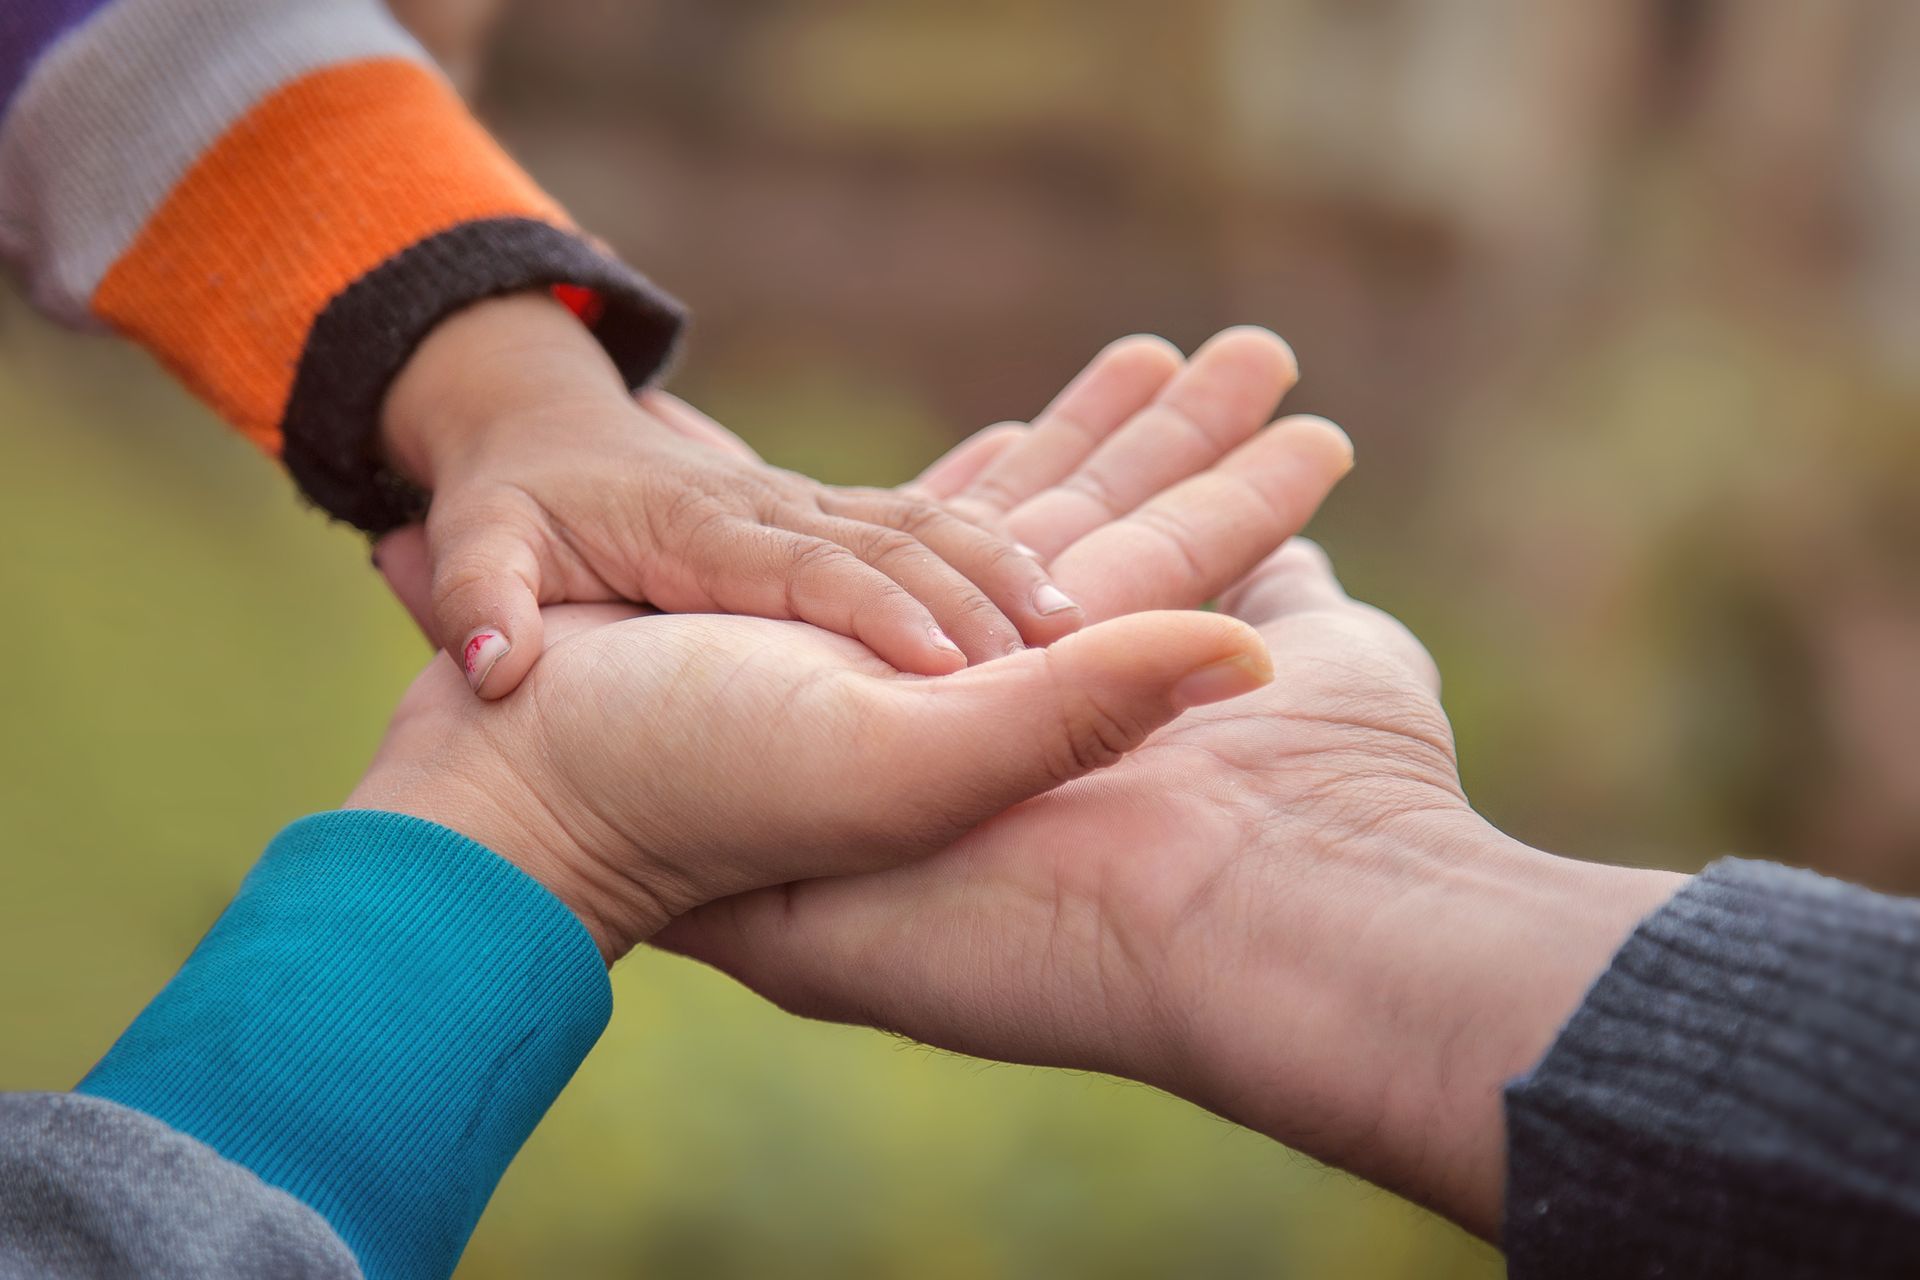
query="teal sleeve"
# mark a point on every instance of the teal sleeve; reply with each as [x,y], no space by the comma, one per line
[374,1025]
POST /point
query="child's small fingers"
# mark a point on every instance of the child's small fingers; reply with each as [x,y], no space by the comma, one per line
[818,580]
[964,612]
[486,598]
[1012,579]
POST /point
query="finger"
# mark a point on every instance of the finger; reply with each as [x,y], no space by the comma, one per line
[1184,547]
[994,735]
[958,467]
[1115,385]
[963,612]
[402,559]
[989,737]
[1297,578]
[486,592]
[1223,395]
[1013,581]
[778,573]
[683,419]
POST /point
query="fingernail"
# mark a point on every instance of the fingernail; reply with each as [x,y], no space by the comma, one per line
[484,648]
[1218,681]
[1048,598]
[1026,550]
[940,638]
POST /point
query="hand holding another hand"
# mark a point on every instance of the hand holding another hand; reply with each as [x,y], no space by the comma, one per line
[655,763]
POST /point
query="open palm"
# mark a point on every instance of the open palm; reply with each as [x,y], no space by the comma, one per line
[1091,921]
[669,760]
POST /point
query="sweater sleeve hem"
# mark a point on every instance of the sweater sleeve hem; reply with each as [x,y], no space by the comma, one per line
[364,336]
[1734,1096]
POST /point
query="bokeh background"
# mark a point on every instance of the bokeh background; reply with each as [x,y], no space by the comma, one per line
[1620,303]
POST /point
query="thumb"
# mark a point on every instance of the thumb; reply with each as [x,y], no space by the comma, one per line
[486,594]
[1005,731]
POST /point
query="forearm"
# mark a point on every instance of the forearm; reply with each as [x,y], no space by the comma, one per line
[280,200]
[1437,962]
[1736,1096]
[374,1026]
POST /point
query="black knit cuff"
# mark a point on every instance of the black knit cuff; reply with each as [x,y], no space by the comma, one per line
[365,335]
[1735,1097]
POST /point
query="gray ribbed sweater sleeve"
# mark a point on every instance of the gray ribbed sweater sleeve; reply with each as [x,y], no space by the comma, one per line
[89,1188]
[1739,1094]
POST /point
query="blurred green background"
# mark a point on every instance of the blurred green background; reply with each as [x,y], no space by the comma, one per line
[1619,302]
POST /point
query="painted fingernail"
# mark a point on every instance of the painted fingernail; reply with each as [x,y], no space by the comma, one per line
[484,648]
[1218,681]
[1048,598]
[1026,550]
[940,638]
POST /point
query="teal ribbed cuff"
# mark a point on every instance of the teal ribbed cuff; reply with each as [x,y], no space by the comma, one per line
[374,1025]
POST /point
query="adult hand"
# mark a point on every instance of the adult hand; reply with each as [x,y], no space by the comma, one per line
[1282,908]
[655,763]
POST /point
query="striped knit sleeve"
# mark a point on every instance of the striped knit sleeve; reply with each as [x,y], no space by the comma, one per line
[279,199]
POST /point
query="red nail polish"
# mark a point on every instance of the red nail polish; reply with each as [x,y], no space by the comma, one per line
[484,648]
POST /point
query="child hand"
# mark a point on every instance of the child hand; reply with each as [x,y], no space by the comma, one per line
[550,484]
[853,766]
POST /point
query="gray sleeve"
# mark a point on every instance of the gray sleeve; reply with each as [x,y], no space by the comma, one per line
[91,1188]
[1739,1094]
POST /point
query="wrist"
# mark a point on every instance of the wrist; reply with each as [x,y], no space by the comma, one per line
[1372,1021]
[479,368]
[508,818]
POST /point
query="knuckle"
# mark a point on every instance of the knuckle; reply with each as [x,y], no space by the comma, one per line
[458,575]
[914,516]
[1096,737]
[884,545]
[997,555]
[1097,489]
[1177,534]
[1095,733]
[815,556]
[974,607]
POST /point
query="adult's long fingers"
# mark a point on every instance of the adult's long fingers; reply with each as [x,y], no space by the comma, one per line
[1299,580]
[1185,546]
[1115,385]
[1226,392]
[958,467]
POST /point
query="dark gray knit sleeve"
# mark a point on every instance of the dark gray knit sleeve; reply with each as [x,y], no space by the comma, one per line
[1739,1094]
[89,1188]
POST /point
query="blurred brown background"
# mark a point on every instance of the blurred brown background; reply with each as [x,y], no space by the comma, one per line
[1620,302]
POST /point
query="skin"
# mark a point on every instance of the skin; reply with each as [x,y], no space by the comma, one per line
[616,776]
[551,484]
[1281,906]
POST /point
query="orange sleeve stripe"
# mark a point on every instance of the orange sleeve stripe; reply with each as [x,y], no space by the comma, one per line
[319,183]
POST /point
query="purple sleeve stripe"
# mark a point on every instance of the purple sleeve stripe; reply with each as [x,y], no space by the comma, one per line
[27,28]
